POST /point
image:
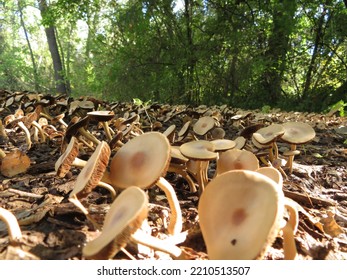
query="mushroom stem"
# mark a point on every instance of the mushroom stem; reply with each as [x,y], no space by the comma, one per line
[89,135]
[175,225]
[14,231]
[289,247]
[155,243]
[107,130]
[27,134]
[109,188]
[290,161]
[84,210]
[2,130]
[181,170]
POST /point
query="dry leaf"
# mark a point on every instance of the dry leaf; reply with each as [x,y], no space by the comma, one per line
[330,226]
[14,163]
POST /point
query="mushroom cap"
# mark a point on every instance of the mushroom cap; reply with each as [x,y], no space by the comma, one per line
[203,125]
[141,161]
[14,163]
[199,150]
[272,173]
[176,155]
[240,213]
[64,162]
[101,116]
[297,132]
[92,172]
[240,142]
[268,134]
[124,217]
[236,159]
[223,144]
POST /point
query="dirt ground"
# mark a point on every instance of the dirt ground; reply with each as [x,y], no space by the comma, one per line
[53,228]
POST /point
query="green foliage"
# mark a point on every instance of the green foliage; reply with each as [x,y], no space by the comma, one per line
[248,54]
[338,107]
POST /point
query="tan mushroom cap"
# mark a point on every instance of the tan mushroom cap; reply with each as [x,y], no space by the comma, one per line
[223,144]
[297,132]
[93,171]
[141,161]
[124,217]
[176,155]
[268,134]
[199,150]
[272,173]
[236,159]
[203,125]
[240,213]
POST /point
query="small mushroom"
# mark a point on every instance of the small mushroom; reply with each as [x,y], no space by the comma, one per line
[204,125]
[69,158]
[296,133]
[199,153]
[268,136]
[92,173]
[240,215]
[104,117]
[123,224]
[143,162]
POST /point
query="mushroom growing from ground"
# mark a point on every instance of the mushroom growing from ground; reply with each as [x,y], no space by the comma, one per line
[296,133]
[268,136]
[13,163]
[199,153]
[203,125]
[240,214]
[123,224]
[143,162]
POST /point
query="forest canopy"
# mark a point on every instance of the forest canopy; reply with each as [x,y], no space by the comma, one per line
[249,54]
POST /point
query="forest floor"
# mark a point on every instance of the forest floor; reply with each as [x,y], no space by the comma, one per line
[53,228]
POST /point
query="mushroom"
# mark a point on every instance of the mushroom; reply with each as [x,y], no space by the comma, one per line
[104,117]
[240,215]
[203,125]
[178,164]
[199,153]
[143,162]
[69,158]
[123,224]
[79,127]
[268,136]
[296,133]
[92,173]
[236,159]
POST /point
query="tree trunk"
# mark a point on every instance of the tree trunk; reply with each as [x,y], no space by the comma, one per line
[59,76]
[283,20]
[36,78]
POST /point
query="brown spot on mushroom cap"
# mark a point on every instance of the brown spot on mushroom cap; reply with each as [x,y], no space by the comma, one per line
[199,150]
[254,205]
[125,216]
[141,161]
[297,132]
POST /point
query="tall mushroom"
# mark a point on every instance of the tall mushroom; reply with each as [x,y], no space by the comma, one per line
[296,133]
[143,162]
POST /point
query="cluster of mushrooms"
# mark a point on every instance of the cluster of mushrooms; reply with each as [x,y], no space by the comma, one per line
[242,208]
